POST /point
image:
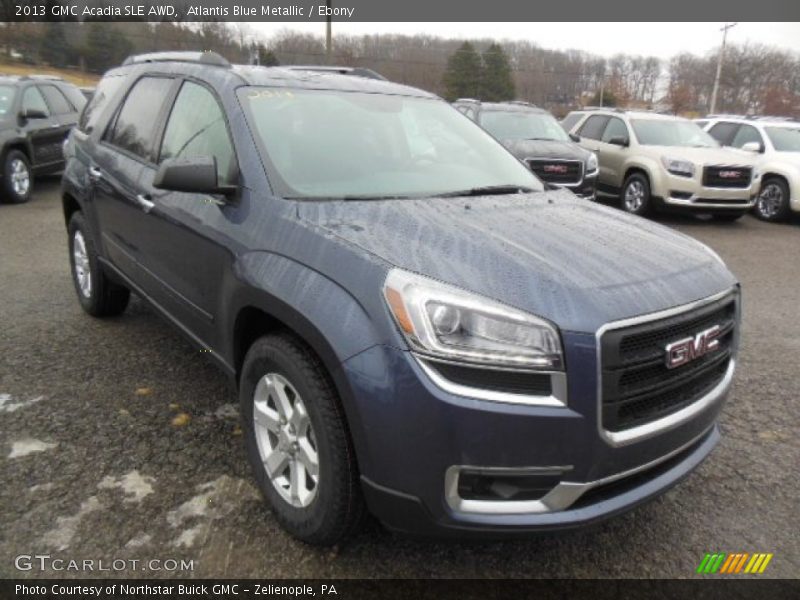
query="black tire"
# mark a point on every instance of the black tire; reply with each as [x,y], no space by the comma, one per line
[727,217]
[636,183]
[337,509]
[104,297]
[772,203]
[12,193]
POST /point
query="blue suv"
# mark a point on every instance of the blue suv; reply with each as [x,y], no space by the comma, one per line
[416,326]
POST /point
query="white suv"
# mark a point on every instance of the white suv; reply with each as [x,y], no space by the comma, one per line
[653,161]
[776,146]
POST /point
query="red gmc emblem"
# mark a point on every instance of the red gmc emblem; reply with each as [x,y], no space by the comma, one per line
[561,169]
[691,348]
[730,174]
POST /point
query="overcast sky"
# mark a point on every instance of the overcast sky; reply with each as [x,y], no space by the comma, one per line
[657,39]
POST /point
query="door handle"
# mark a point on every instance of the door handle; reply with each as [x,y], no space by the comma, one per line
[95,173]
[145,202]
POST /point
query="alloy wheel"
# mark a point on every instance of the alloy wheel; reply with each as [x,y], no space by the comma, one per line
[20,177]
[770,201]
[634,196]
[286,441]
[83,274]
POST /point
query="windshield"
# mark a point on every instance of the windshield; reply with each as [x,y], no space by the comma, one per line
[657,132]
[6,99]
[319,144]
[518,125]
[785,139]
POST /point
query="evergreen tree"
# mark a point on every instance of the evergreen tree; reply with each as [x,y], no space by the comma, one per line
[462,77]
[105,48]
[267,58]
[497,84]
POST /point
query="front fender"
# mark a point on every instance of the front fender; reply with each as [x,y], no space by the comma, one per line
[652,169]
[326,316]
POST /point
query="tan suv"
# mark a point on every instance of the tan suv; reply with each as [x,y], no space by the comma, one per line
[653,161]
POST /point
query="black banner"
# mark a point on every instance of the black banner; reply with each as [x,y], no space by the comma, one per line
[394,11]
[389,589]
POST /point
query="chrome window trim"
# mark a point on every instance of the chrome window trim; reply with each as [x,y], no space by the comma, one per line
[561,497]
[558,379]
[670,421]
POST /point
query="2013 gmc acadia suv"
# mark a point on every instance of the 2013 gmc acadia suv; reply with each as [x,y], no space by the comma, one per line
[415,324]
[661,162]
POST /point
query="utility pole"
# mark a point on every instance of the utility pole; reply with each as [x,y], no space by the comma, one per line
[328,40]
[724,30]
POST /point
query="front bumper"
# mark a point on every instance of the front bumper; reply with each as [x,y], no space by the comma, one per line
[412,436]
[587,188]
[685,193]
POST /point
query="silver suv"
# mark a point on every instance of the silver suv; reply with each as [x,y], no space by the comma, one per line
[653,161]
[775,144]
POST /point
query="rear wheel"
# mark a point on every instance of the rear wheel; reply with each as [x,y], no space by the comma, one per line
[97,294]
[636,195]
[297,441]
[17,178]
[773,200]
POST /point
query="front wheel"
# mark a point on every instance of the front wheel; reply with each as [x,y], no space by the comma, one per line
[773,200]
[98,296]
[17,178]
[636,195]
[297,441]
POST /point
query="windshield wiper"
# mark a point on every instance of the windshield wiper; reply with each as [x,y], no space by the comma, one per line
[489,190]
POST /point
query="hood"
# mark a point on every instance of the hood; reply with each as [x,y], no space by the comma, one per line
[524,149]
[573,262]
[706,156]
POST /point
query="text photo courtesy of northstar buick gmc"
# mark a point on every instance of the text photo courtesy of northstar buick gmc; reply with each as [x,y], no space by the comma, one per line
[415,325]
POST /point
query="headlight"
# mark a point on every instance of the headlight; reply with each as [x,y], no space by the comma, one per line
[677,166]
[446,322]
[591,164]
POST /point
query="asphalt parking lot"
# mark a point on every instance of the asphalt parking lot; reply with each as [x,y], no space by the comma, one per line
[118,440]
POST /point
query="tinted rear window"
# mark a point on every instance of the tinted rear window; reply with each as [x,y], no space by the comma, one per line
[107,87]
[136,122]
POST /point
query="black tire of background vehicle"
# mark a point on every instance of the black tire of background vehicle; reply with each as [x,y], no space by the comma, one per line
[337,511]
[783,211]
[646,201]
[10,195]
[106,299]
[727,217]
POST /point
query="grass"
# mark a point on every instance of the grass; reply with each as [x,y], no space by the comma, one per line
[75,76]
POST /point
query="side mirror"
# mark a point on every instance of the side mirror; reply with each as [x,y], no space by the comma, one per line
[33,113]
[619,141]
[574,137]
[755,147]
[196,175]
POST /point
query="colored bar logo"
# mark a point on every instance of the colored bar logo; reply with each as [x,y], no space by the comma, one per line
[737,562]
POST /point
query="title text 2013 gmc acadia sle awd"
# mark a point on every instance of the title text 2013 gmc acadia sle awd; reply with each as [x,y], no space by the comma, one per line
[416,326]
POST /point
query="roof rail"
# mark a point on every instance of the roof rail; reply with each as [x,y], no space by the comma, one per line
[609,108]
[355,71]
[470,100]
[205,58]
[521,103]
[44,77]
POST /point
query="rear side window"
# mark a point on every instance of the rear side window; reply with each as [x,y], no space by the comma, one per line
[58,103]
[570,120]
[137,120]
[74,95]
[107,87]
[723,132]
[32,99]
[594,126]
[196,127]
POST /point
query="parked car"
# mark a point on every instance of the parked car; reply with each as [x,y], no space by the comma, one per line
[36,115]
[776,146]
[534,136]
[659,162]
[414,323]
